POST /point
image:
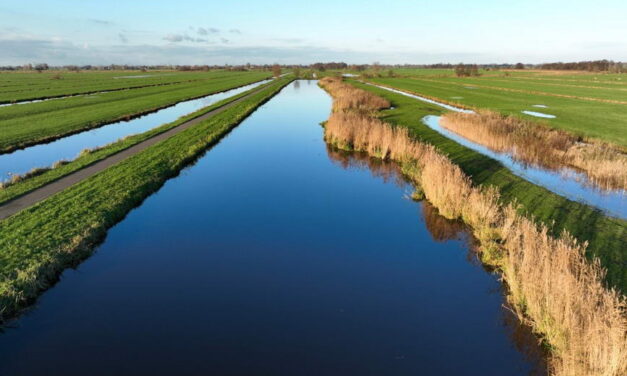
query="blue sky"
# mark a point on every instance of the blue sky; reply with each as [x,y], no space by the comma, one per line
[241,31]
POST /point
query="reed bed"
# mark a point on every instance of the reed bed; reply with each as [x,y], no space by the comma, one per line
[606,166]
[552,285]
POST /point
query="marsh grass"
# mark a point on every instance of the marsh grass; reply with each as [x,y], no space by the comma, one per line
[606,166]
[552,285]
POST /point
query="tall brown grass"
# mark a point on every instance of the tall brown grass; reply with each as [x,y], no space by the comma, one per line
[551,283]
[606,166]
[349,98]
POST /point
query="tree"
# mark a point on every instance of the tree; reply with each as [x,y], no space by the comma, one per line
[519,66]
[460,70]
[376,67]
[41,67]
[276,70]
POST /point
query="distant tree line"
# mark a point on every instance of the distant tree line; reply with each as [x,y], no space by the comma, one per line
[591,66]
[328,66]
[377,69]
[467,70]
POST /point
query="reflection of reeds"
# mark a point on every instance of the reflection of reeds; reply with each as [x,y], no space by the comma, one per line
[551,283]
[441,228]
[386,170]
[605,165]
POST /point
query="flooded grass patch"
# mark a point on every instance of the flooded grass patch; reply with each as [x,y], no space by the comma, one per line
[538,114]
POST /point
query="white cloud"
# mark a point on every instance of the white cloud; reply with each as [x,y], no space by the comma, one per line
[102,22]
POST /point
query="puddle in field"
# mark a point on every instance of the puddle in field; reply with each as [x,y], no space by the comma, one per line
[540,106]
[539,114]
[457,97]
[68,148]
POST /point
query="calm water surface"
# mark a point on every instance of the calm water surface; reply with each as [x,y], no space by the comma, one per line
[273,255]
[44,155]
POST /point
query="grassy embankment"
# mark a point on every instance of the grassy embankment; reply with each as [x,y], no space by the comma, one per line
[606,236]
[24,86]
[551,283]
[39,242]
[39,177]
[28,124]
[587,112]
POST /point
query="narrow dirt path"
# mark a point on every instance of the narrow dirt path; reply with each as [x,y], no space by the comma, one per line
[11,207]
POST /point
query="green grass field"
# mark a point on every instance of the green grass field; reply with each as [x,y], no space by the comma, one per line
[39,242]
[28,124]
[607,236]
[582,105]
[21,86]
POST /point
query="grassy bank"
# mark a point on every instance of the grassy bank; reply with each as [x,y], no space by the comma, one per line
[551,283]
[41,241]
[29,124]
[606,236]
[41,176]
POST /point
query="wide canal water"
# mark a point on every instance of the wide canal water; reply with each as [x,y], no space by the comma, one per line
[274,255]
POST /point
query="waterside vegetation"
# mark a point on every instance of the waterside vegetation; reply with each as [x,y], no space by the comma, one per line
[551,283]
[526,141]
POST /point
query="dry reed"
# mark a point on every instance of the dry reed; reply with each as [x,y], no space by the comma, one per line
[551,283]
[605,166]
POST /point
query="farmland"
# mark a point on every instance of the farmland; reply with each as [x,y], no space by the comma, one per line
[25,86]
[588,105]
[28,124]
[65,212]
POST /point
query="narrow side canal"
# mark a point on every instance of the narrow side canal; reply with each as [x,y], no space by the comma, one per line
[68,148]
